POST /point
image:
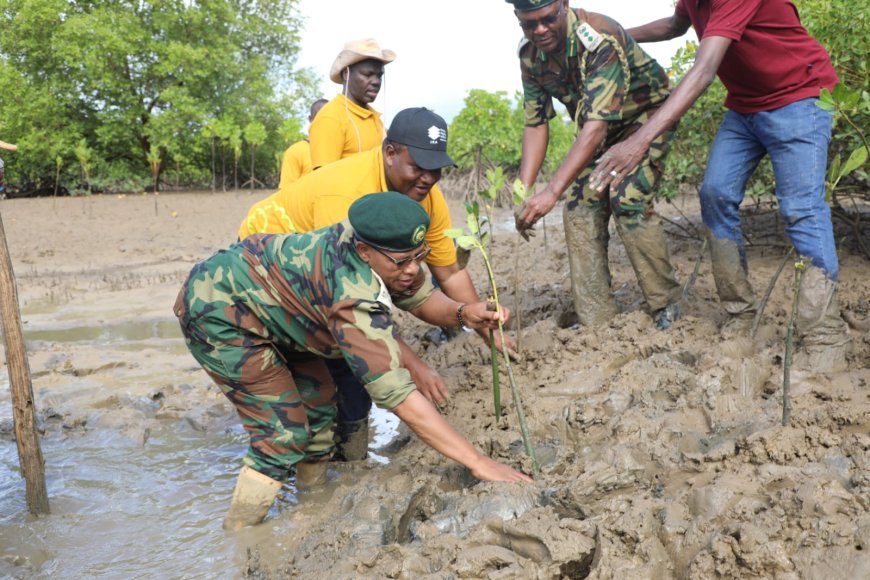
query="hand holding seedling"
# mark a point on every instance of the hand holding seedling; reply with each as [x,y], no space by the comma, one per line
[534,208]
[479,316]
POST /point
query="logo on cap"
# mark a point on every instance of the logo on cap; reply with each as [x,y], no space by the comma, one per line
[436,134]
[419,234]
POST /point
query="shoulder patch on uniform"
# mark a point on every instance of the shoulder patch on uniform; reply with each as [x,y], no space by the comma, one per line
[523,41]
[590,37]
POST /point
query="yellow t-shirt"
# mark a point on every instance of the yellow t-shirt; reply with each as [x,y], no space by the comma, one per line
[343,128]
[323,197]
[295,163]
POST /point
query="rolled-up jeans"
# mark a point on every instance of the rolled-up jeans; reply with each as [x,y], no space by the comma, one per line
[796,138]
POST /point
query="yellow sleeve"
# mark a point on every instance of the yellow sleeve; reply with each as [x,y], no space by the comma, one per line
[327,139]
[268,216]
[295,163]
[443,249]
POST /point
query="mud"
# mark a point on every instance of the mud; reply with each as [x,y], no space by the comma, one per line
[662,453]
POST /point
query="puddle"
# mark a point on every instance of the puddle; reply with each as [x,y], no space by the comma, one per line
[132,330]
[122,510]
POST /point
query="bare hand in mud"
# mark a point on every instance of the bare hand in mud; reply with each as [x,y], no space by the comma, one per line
[488,470]
[428,382]
[534,209]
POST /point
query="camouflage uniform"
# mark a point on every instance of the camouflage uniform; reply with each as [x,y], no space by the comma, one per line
[261,316]
[603,75]
[590,79]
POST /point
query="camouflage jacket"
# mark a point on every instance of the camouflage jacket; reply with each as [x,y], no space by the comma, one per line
[304,293]
[603,74]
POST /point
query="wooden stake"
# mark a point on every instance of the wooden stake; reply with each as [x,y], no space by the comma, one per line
[23,415]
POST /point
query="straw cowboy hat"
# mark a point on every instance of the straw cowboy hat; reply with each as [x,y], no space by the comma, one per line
[356,51]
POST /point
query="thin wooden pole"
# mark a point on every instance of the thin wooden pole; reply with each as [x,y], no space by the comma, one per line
[23,414]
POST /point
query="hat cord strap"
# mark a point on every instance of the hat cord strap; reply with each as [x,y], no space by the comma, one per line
[350,117]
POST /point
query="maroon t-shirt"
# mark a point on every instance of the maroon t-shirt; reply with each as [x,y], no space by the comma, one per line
[772,61]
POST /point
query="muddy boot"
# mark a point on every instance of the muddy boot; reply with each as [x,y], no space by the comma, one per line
[351,440]
[252,499]
[823,335]
[587,237]
[732,284]
[647,249]
[310,475]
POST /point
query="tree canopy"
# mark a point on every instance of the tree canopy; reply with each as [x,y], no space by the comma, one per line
[128,77]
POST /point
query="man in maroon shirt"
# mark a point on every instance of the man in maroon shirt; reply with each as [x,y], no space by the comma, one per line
[773,71]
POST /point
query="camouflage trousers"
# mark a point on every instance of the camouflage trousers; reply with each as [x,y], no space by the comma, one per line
[633,199]
[287,405]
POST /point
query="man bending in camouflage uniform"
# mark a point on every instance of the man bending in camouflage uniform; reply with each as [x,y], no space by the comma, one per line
[262,316]
[610,88]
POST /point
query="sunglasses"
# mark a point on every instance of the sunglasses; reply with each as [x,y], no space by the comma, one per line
[403,263]
[546,21]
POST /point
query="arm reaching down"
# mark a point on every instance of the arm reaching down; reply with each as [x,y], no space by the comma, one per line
[435,431]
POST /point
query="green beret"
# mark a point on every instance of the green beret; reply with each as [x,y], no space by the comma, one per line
[524,5]
[389,221]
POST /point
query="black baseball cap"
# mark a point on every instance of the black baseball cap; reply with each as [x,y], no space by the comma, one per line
[424,134]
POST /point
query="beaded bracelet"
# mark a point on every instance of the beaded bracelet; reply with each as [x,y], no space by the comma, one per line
[459,315]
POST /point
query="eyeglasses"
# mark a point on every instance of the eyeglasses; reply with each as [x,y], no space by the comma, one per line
[403,263]
[546,21]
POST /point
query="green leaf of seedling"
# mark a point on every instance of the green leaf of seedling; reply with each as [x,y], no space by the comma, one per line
[485,239]
[467,242]
[475,209]
[473,225]
[454,233]
[856,160]
[520,192]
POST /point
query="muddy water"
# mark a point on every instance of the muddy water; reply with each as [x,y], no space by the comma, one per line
[138,476]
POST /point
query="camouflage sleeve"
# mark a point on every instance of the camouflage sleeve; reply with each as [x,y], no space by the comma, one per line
[605,86]
[365,332]
[537,102]
[417,294]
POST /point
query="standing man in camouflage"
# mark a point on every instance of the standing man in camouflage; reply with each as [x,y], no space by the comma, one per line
[262,316]
[610,87]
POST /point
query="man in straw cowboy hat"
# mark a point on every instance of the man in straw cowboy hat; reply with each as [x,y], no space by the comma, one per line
[347,124]
[262,316]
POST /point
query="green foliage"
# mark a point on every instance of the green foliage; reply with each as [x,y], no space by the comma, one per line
[488,132]
[844,102]
[126,75]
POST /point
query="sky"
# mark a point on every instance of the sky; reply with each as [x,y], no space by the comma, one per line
[444,48]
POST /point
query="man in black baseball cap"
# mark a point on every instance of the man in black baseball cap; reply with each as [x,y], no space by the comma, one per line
[424,134]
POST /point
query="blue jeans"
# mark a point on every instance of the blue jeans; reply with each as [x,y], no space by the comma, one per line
[796,138]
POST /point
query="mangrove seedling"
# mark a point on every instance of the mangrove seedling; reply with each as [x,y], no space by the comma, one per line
[799,268]
[479,236]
